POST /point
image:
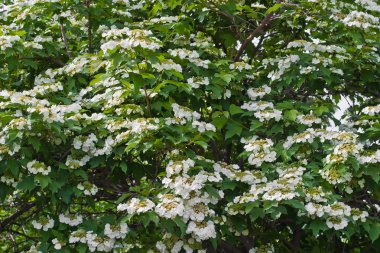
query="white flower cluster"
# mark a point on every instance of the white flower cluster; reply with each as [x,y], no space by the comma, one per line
[8,181]
[264,111]
[315,46]
[308,119]
[184,114]
[372,110]
[335,175]
[71,219]
[257,105]
[99,243]
[343,150]
[337,214]
[88,188]
[267,248]
[167,64]
[57,244]
[201,230]
[261,150]
[283,188]
[370,157]
[32,249]
[191,55]
[169,206]
[36,167]
[44,223]
[183,53]
[86,144]
[282,63]
[162,20]
[136,206]
[268,114]
[189,200]
[172,244]
[360,19]
[134,38]
[7,41]
[196,82]
[240,66]
[203,126]
[104,243]
[310,134]
[259,92]
[118,231]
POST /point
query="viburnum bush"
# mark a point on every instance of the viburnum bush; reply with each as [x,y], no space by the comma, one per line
[189,126]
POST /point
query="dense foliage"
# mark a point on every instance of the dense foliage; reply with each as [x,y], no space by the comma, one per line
[189,126]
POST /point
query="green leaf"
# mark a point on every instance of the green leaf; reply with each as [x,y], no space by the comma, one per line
[255,124]
[26,184]
[181,224]
[250,206]
[295,203]
[14,167]
[219,122]
[233,129]
[225,77]
[374,231]
[291,115]
[229,185]
[235,110]
[273,8]
[124,167]
[203,144]
[35,142]
[137,80]
[212,191]
[42,180]
[316,226]
[255,213]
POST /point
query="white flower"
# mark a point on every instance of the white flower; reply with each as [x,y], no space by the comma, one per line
[268,114]
[136,206]
[203,126]
[257,106]
[116,231]
[372,110]
[196,82]
[201,230]
[36,167]
[308,120]
[88,188]
[70,219]
[57,244]
[44,223]
[78,236]
[167,64]
[170,207]
[260,92]
[337,223]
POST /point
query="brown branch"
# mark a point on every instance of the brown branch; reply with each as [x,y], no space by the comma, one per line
[259,30]
[89,26]
[147,100]
[65,40]
[25,208]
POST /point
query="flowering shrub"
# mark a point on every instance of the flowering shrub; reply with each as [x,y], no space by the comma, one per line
[189,126]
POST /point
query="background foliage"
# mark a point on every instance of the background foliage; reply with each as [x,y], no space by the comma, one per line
[189,126]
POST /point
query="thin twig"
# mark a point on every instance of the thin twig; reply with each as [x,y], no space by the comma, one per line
[259,30]
[65,41]
[89,26]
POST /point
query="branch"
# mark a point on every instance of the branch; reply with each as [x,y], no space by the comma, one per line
[259,30]
[14,216]
[89,27]
[65,41]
